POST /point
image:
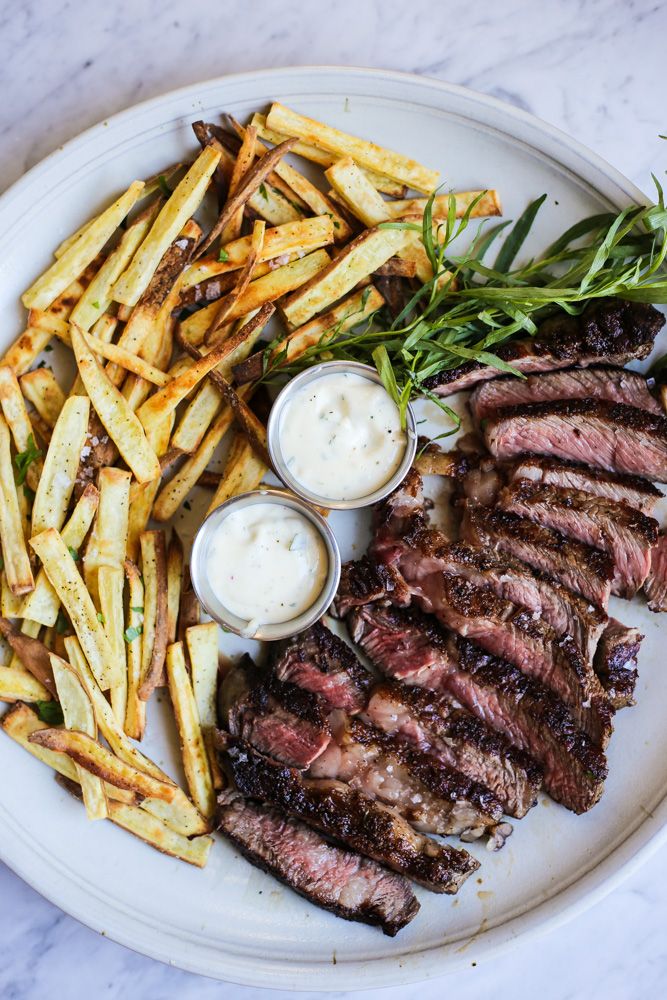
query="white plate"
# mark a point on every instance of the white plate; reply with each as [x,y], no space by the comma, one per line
[231,921]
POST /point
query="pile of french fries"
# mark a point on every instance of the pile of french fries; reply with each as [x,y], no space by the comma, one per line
[163,320]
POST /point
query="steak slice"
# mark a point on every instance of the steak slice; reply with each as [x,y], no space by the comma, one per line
[436,725]
[605,435]
[619,385]
[655,586]
[431,797]
[616,662]
[421,550]
[348,885]
[351,818]
[632,490]
[319,661]
[583,569]
[278,719]
[626,534]
[518,636]
[367,580]
[608,331]
[520,708]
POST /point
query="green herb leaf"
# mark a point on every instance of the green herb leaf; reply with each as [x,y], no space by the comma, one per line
[264,193]
[187,505]
[164,187]
[62,623]
[74,554]
[131,633]
[101,619]
[48,348]
[24,459]
[138,611]
[50,712]
[517,236]
[223,256]
[95,304]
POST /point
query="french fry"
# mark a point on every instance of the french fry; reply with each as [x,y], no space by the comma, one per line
[108,539]
[110,583]
[142,497]
[244,471]
[96,759]
[14,551]
[156,833]
[244,161]
[135,711]
[10,604]
[154,644]
[271,205]
[488,204]
[78,715]
[320,156]
[182,204]
[17,684]
[202,645]
[196,419]
[69,266]
[270,287]
[358,259]
[250,183]
[61,463]
[20,722]
[366,154]
[357,192]
[120,422]
[42,604]
[127,360]
[432,461]
[104,330]
[190,609]
[174,583]
[18,421]
[71,590]
[97,297]
[25,349]
[214,333]
[350,312]
[180,815]
[41,388]
[193,749]
[292,237]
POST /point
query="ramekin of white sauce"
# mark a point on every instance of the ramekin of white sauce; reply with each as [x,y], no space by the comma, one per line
[335,436]
[265,565]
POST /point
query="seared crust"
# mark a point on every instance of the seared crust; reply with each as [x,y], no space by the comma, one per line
[350,818]
[633,490]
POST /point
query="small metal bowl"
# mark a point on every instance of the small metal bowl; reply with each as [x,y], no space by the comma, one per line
[204,591]
[277,457]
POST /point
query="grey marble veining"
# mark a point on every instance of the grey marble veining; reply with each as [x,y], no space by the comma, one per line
[593,68]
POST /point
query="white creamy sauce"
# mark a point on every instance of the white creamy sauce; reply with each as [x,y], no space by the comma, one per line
[341,436]
[266,563]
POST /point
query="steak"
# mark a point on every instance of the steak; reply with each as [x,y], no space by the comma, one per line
[608,331]
[351,818]
[632,490]
[520,708]
[616,662]
[655,586]
[626,534]
[605,435]
[431,797]
[367,580]
[319,661]
[583,569]
[278,719]
[434,723]
[619,385]
[348,885]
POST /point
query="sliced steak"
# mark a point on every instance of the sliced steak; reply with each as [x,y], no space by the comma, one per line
[625,533]
[351,818]
[278,719]
[655,587]
[616,662]
[605,435]
[609,331]
[348,885]
[583,569]
[523,710]
[632,490]
[435,724]
[367,580]
[431,797]
[319,661]
[520,637]
[619,385]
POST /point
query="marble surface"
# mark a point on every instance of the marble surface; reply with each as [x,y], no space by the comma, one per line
[591,67]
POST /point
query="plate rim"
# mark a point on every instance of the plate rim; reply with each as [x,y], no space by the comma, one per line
[575,898]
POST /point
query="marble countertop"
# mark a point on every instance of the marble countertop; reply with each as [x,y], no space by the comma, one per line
[591,67]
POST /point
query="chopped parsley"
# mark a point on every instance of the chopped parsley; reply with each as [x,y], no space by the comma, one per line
[48,348]
[50,712]
[132,632]
[138,611]
[74,554]
[62,624]
[95,304]
[24,459]
[223,256]
[187,505]
[264,193]
[101,619]
[164,187]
